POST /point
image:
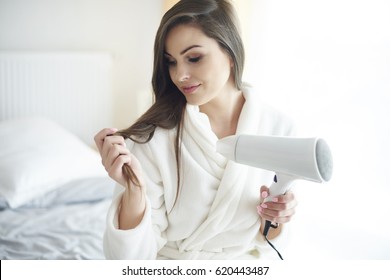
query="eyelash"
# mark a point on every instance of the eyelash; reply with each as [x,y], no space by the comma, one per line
[195,59]
[192,60]
[170,62]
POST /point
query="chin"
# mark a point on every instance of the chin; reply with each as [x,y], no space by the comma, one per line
[197,99]
[192,100]
[195,102]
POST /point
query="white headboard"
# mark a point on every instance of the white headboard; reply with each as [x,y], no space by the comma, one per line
[72,88]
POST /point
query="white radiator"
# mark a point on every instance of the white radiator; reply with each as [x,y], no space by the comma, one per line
[72,88]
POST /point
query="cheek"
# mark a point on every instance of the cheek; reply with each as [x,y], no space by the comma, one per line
[212,72]
[220,73]
[222,65]
[171,73]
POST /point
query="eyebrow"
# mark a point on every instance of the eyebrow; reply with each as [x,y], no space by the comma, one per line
[186,49]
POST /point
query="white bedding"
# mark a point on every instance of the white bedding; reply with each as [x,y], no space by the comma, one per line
[67,223]
[54,193]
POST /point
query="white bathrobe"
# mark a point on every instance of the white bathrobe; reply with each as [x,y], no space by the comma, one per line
[215,216]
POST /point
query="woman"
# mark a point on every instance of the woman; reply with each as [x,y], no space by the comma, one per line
[182,200]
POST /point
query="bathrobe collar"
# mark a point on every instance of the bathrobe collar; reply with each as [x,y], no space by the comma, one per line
[197,128]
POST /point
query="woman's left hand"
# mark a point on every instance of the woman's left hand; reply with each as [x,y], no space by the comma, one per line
[280,209]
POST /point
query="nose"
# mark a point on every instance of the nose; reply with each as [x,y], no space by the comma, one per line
[182,73]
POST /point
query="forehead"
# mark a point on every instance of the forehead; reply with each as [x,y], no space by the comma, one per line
[184,35]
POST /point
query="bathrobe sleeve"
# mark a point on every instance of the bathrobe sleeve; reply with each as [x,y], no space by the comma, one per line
[144,241]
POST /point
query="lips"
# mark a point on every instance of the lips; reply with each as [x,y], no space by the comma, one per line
[190,89]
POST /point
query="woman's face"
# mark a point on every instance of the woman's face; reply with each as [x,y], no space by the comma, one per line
[198,66]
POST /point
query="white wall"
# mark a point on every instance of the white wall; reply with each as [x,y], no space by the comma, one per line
[124,27]
[327,64]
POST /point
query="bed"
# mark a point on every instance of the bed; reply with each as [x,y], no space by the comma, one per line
[54,192]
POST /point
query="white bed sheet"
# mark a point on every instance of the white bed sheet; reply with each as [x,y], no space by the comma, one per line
[67,223]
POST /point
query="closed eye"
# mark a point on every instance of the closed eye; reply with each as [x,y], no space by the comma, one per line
[170,62]
[194,59]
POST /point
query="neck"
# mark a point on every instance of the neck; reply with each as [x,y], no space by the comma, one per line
[224,112]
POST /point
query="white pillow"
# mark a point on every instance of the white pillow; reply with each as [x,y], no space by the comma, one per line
[38,156]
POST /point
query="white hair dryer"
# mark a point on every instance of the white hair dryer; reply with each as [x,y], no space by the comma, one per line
[290,158]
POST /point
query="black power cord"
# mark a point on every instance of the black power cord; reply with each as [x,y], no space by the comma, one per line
[267,226]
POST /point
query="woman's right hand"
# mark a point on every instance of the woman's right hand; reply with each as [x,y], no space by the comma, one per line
[115,155]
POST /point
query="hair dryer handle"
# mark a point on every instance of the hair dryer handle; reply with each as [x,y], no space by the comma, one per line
[282,183]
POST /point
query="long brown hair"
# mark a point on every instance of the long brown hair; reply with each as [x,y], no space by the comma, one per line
[217,20]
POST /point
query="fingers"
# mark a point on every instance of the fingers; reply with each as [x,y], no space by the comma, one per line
[115,170]
[277,212]
[280,209]
[113,146]
[115,152]
[274,220]
[101,135]
[285,198]
[264,193]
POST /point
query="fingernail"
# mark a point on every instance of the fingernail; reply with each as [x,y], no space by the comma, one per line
[275,199]
[259,210]
[263,205]
[264,194]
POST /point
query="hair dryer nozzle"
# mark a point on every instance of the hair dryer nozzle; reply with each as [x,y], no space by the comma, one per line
[324,160]
[305,158]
